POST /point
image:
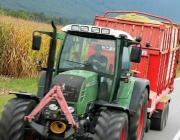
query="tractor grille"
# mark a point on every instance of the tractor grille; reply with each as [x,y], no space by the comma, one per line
[72,83]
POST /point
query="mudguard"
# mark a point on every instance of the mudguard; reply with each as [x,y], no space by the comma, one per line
[113,106]
[26,95]
[139,86]
[40,92]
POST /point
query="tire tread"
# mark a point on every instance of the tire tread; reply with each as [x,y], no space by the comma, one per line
[13,113]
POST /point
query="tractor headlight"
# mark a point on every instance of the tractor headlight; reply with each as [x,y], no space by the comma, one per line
[53,107]
[71,109]
[75,27]
[95,29]
[84,28]
[105,31]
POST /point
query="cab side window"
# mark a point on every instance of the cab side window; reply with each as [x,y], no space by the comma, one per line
[126,59]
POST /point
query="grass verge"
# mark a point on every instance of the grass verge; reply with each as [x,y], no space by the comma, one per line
[8,84]
[178,71]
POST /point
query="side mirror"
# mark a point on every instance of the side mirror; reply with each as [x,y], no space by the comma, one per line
[136,54]
[36,44]
[138,38]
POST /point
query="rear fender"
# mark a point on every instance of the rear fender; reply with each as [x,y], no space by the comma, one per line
[112,106]
[139,86]
[26,95]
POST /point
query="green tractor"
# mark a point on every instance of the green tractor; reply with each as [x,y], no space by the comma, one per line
[85,96]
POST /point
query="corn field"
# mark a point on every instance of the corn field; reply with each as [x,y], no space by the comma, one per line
[17,59]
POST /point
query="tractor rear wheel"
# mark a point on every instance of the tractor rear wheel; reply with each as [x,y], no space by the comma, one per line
[111,126]
[138,121]
[12,122]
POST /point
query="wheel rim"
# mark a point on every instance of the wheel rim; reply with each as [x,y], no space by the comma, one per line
[123,134]
[141,123]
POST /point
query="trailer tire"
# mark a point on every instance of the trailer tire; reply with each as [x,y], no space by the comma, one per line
[158,123]
[12,122]
[167,112]
[138,121]
[148,124]
[111,126]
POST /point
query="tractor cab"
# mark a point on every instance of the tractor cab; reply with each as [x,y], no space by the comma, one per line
[103,52]
[84,51]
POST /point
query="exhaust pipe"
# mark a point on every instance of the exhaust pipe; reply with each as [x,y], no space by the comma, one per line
[58,127]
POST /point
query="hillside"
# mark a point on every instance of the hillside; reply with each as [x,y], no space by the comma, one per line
[83,11]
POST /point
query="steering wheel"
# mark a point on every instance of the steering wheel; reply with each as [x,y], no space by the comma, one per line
[90,62]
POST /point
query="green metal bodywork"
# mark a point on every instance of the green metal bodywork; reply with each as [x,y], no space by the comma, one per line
[89,89]
[125,93]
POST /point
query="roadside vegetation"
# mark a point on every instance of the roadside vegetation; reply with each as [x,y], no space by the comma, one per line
[16,43]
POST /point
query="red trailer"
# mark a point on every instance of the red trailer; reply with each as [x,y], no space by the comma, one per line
[160,43]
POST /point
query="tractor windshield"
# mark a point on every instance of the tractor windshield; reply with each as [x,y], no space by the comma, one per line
[81,51]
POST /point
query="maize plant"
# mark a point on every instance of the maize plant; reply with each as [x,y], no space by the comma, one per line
[16,56]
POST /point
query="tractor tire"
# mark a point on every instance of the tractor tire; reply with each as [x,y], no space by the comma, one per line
[138,121]
[12,122]
[111,126]
[158,123]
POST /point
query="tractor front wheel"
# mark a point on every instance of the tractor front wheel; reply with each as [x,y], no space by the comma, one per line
[12,124]
[111,125]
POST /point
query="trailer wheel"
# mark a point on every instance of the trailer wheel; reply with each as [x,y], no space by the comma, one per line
[138,121]
[167,112]
[159,120]
[111,126]
[12,122]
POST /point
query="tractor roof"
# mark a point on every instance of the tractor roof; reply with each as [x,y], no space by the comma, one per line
[96,30]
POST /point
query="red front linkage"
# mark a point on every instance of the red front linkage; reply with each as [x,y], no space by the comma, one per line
[54,93]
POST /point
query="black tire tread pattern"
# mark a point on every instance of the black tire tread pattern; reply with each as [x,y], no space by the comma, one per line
[12,120]
[117,121]
[167,112]
[134,120]
[155,123]
[110,124]
[102,125]
[160,123]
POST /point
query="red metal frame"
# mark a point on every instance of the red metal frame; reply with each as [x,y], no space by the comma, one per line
[54,93]
[156,64]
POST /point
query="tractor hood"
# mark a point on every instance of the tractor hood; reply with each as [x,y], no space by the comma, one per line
[81,88]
